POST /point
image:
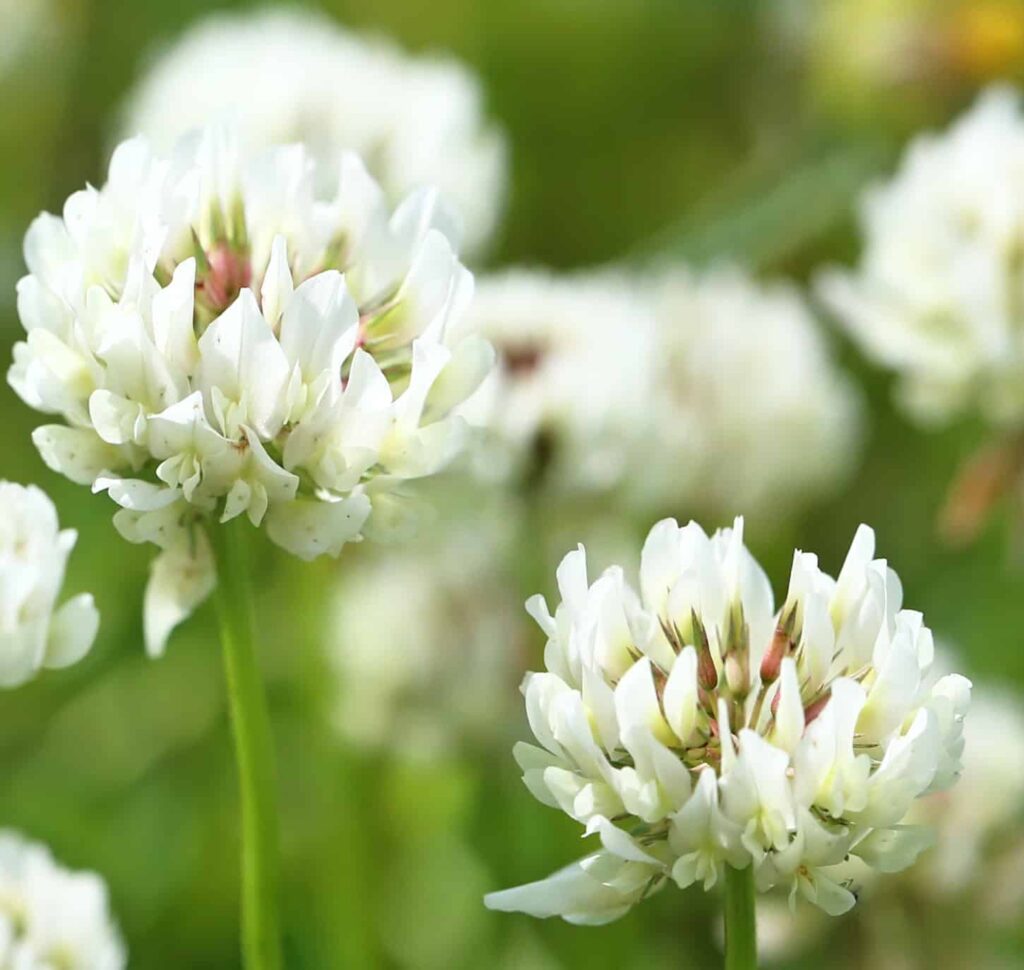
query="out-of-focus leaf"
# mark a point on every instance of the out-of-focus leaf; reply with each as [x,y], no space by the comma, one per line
[768,212]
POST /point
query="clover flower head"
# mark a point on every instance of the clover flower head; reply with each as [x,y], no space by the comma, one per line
[220,340]
[598,371]
[34,631]
[289,75]
[937,295]
[570,394]
[51,917]
[750,409]
[690,724]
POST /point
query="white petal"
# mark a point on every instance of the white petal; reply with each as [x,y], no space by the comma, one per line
[308,528]
[77,453]
[180,578]
[789,718]
[277,288]
[241,359]
[320,326]
[72,631]
[895,849]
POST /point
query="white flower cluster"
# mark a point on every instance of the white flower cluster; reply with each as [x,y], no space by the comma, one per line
[750,410]
[691,726]
[723,389]
[51,918]
[432,665]
[34,632]
[939,295]
[222,341]
[571,391]
[288,75]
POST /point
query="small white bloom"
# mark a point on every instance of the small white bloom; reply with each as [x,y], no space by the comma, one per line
[34,631]
[718,731]
[572,386]
[294,76]
[723,389]
[51,917]
[412,633]
[937,297]
[220,340]
[749,410]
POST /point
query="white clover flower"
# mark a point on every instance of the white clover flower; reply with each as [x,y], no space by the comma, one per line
[691,725]
[191,324]
[289,75]
[748,408]
[724,389]
[34,631]
[430,665]
[50,917]
[571,392]
[939,295]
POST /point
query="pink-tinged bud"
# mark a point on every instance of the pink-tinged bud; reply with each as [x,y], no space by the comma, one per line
[707,674]
[229,272]
[812,710]
[771,663]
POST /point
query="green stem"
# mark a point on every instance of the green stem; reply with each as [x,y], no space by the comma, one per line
[740,925]
[253,750]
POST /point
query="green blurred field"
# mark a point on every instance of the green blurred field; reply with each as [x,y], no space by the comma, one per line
[637,126]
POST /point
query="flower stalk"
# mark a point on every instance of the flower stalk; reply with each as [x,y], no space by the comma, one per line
[253,752]
[740,924]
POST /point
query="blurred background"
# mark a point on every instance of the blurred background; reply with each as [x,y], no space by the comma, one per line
[637,130]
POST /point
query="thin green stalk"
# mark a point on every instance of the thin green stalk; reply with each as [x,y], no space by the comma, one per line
[261,946]
[740,926]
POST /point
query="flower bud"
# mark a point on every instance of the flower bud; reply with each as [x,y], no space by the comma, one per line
[707,672]
[771,663]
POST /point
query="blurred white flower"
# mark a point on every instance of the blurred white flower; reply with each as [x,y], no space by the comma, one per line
[426,637]
[750,411]
[939,295]
[34,631]
[50,917]
[189,323]
[290,75]
[724,389]
[571,391]
[690,725]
